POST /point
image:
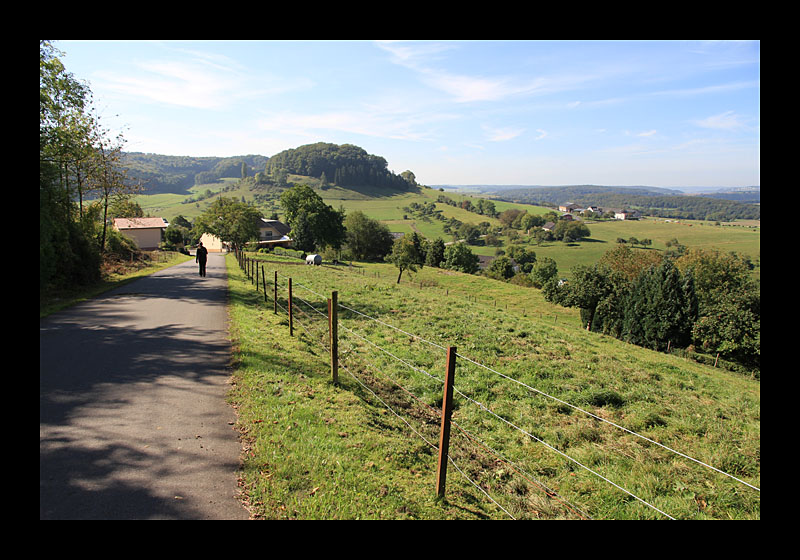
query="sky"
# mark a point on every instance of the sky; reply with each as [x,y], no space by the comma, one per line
[655,113]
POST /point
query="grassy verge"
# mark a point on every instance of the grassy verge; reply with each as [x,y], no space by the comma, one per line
[113,277]
[528,374]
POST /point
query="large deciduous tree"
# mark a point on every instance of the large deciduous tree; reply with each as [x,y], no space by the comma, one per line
[232,221]
[315,225]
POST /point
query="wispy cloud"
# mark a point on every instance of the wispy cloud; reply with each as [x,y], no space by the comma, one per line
[728,120]
[502,134]
[196,80]
[425,59]
[366,121]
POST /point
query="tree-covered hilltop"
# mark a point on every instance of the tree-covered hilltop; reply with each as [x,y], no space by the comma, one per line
[343,165]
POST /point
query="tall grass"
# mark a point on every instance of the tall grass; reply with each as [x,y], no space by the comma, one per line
[524,443]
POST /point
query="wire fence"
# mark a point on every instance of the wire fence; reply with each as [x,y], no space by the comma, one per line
[373,366]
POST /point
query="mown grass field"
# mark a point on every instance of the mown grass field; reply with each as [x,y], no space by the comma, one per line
[534,397]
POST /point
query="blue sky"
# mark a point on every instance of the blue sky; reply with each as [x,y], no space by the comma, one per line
[667,113]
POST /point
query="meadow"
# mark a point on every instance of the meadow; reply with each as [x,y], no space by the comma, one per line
[388,207]
[550,421]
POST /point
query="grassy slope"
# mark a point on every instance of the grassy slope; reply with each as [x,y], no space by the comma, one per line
[319,451]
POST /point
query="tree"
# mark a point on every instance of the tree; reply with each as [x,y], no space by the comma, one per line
[501,269]
[434,252]
[405,255]
[69,254]
[661,308]
[366,238]
[459,257]
[232,221]
[729,304]
[315,225]
[569,231]
[544,270]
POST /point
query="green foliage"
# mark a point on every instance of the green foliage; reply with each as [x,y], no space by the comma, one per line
[232,221]
[543,271]
[660,308]
[434,252]
[459,257]
[501,269]
[315,225]
[345,165]
[406,254]
[569,231]
[68,253]
[366,239]
[729,304]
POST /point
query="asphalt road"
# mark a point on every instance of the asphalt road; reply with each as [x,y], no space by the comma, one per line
[133,422]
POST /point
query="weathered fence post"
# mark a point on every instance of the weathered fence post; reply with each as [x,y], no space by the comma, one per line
[291,322]
[333,326]
[447,411]
[275,297]
[264,281]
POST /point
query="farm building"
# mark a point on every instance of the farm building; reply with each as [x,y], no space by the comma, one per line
[147,233]
[271,233]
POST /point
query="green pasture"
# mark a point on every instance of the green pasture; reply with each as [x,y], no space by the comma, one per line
[535,398]
[389,208]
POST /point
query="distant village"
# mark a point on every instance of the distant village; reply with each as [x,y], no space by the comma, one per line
[617,213]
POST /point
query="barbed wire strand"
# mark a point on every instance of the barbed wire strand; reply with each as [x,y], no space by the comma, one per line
[436,447]
[528,387]
[608,422]
[475,439]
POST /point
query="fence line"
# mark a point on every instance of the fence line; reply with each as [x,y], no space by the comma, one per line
[480,405]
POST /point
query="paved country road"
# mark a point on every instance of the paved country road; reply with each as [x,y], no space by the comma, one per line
[133,422]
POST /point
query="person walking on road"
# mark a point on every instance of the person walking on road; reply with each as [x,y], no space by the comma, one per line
[201,257]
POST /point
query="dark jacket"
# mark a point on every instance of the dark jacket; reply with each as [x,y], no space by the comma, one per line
[202,254]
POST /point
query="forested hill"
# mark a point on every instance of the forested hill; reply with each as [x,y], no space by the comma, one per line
[648,200]
[343,165]
[175,174]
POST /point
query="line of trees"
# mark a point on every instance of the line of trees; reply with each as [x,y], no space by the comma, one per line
[78,160]
[703,300]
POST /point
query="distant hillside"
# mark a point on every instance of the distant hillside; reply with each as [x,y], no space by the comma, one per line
[176,174]
[648,200]
[343,165]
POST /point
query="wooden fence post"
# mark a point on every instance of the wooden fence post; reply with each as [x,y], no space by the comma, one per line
[447,411]
[291,322]
[264,281]
[333,326]
[275,298]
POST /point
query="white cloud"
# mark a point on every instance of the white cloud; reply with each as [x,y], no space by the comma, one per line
[366,121]
[199,81]
[728,120]
[422,58]
[502,134]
